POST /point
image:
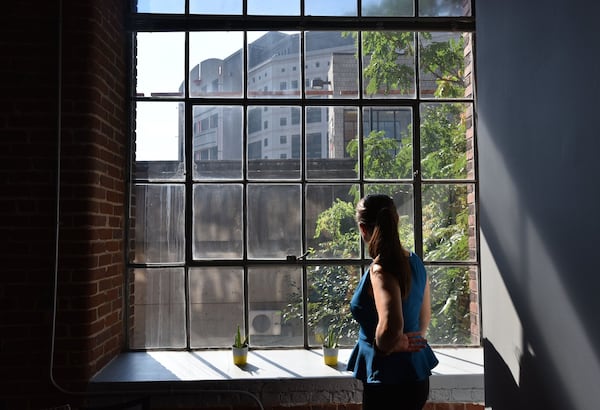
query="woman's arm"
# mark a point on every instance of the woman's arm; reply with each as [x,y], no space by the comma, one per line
[425,316]
[388,302]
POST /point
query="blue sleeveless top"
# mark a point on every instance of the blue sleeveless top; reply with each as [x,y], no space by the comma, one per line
[398,367]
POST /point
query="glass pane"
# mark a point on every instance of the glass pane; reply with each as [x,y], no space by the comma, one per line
[159,141]
[332,142]
[330,8]
[331,65]
[388,64]
[444,8]
[274,64]
[216,64]
[391,8]
[446,222]
[161,6]
[274,221]
[216,305]
[160,74]
[274,7]
[217,134]
[159,308]
[274,142]
[317,128]
[218,234]
[387,143]
[275,316]
[450,300]
[330,289]
[403,195]
[215,7]
[331,230]
[158,229]
[444,140]
[442,65]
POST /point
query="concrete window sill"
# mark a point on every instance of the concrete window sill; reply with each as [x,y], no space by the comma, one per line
[457,378]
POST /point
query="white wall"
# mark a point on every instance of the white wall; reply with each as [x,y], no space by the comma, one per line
[538,88]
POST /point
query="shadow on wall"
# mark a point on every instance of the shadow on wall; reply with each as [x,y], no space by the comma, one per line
[502,391]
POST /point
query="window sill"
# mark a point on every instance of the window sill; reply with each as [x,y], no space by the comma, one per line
[457,378]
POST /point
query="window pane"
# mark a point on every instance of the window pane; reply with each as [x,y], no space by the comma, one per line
[216,64]
[450,299]
[330,8]
[431,8]
[159,141]
[444,140]
[446,222]
[271,289]
[161,6]
[215,7]
[269,155]
[158,229]
[216,305]
[442,65]
[273,64]
[217,135]
[403,195]
[218,234]
[160,74]
[318,132]
[330,289]
[274,7]
[341,161]
[387,143]
[274,221]
[388,64]
[330,223]
[159,308]
[331,65]
[397,8]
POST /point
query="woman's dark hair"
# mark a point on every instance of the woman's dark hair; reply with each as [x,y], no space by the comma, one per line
[378,213]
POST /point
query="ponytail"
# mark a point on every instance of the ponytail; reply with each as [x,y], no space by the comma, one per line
[379,214]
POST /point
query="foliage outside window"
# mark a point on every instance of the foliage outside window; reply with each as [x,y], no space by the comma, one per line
[227,229]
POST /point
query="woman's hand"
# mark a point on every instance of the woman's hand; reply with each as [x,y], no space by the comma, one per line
[410,342]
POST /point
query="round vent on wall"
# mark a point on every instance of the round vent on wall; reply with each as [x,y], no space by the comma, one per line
[265,322]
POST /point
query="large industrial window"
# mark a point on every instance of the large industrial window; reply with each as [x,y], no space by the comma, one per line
[232,224]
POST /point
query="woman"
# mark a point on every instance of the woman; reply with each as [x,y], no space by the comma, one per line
[392,306]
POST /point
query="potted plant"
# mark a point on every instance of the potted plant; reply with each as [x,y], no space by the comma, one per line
[330,348]
[240,348]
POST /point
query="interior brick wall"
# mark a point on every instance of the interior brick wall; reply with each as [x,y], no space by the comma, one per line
[89,330]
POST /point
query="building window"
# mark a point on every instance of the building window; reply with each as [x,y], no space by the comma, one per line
[221,222]
[313,114]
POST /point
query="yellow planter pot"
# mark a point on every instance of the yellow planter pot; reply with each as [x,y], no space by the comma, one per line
[240,355]
[330,356]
